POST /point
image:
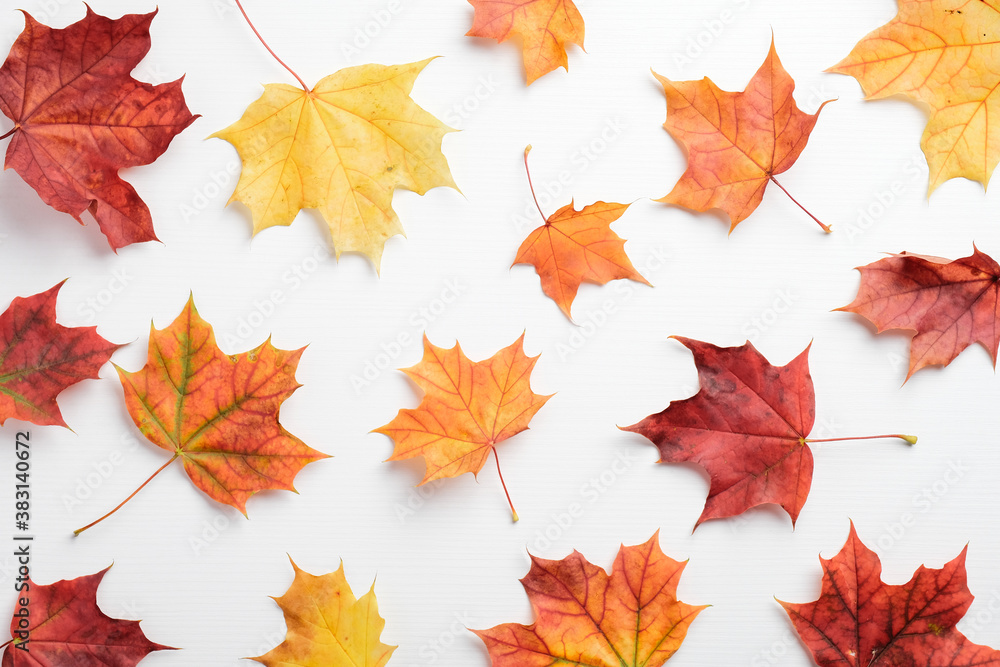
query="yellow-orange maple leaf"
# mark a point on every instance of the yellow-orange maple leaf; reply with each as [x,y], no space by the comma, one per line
[544,27]
[631,618]
[943,53]
[468,408]
[576,246]
[342,148]
[327,625]
[736,142]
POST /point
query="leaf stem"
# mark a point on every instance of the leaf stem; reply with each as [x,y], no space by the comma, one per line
[94,523]
[826,228]
[504,484]
[269,49]
[532,186]
[5,644]
[12,131]
[912,439]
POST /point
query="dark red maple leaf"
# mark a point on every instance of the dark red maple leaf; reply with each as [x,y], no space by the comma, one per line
[65,627]
[858,621]
[39,358]
[747,427]
[79,117]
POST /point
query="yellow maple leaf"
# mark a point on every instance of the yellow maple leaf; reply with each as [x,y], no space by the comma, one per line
[342,148]
[943,53]
[327,625]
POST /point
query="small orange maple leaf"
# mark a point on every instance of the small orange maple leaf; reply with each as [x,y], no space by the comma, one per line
[736,142]
[544,27]
[576,246]
[468,408]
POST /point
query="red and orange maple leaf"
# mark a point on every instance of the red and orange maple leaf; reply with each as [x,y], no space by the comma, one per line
[544,27]
[576,246]
[217,413]
[858,621]
[736,142]
[585,617]
[62,625]
[40,358]
[747,427]
[467,410]
[79,117]
[948,304]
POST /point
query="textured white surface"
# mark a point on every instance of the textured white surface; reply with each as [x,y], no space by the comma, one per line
[455,560]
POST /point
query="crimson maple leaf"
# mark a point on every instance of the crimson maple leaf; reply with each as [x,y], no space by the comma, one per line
[79,117]
[747,427]
[64,626]
[858,621]
[39,358]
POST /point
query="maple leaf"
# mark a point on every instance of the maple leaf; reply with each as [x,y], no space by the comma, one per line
[79,117]
[575,246]
[736,142]
[942,53]
[327,625]
[468,408]
[631,618]
[39,358]
[64,626]
[342,147]
[748,427]
[858,621]
[949,304]
[544,27]
[217,413]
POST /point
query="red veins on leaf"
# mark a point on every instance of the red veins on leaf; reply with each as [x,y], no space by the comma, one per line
[949,304]
[858,621]
[39,358]
[747,427]
[79,117]
[66,627]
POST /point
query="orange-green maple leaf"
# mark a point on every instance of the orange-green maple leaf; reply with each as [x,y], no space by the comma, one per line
[946,54]
[631,618]
[217,413]
[39,358]
[468,408]
[544,27]
[736,142]
[342,148]
[576,246]
[327,625]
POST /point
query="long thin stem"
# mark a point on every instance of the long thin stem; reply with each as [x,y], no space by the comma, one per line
[912,439]
[532,185]
[826,228]
[269,49]
[504,484]
[13,130]
[4,645]
[94,523]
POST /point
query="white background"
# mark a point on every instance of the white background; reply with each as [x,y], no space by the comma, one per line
[456,559]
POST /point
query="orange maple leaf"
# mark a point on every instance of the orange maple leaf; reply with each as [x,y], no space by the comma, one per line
[576,246]
[468,408]
[942,53]
[544,27]
[218,413]
[585,617]
[736,142]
